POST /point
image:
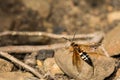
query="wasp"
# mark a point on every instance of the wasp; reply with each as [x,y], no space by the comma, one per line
[79,54]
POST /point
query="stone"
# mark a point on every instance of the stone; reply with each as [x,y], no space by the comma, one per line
[111,41]
[113,16]
[117,76]
[51,66]
[16,76]
[39,64]
[103,66]
[5,66]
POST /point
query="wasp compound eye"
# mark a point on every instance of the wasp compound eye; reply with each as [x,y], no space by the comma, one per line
[75,44]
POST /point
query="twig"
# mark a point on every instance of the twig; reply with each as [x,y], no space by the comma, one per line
[98,37]
[6,55]
[27,49]
[56,36]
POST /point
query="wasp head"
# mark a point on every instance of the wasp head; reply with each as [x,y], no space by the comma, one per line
[73,44]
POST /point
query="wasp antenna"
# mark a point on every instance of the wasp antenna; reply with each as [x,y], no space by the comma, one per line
[73,37]
[66,39]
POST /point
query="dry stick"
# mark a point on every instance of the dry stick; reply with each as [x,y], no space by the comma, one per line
[28,49]
[6,55]
[98,37]
[56,36]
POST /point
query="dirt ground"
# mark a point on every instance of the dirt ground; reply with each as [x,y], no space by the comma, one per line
[55,16]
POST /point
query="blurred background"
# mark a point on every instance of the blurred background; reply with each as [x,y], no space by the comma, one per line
[59,16]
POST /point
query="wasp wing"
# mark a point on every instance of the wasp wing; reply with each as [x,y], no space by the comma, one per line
[76,60]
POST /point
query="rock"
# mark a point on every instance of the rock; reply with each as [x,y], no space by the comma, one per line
[39,64]
[101,70]
[117,76]
[16,76]
[42,6]
[113,16]
[5,66]
[51,66]
[112,41]
[43,54]
[30,59]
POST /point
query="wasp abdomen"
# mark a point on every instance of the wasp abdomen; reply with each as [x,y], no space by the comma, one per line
[84,56]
